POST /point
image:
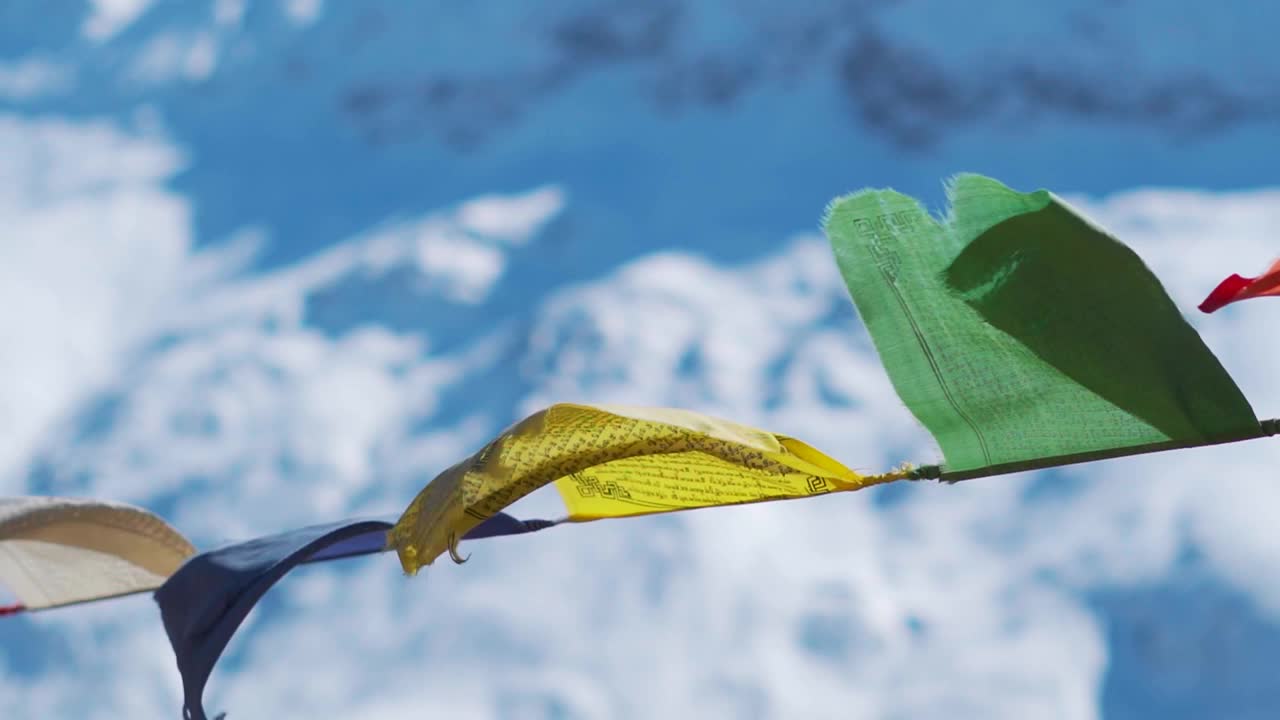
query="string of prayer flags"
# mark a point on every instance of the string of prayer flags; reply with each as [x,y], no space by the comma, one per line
[1019,333]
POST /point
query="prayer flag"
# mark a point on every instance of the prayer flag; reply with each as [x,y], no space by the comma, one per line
[57,551]
[1237,288]
[207,599]
[614,461]
[1021,335]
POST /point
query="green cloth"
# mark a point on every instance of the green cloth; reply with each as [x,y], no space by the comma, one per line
[1020,335]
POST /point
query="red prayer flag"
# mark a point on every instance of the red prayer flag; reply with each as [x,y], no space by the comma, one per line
[1236,288]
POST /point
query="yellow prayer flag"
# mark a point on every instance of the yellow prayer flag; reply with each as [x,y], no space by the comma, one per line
[613,461]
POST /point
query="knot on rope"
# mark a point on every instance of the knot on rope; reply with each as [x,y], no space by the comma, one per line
[925,472]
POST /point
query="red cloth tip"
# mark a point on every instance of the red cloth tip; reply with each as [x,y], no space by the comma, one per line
[1237,288]
[12,609]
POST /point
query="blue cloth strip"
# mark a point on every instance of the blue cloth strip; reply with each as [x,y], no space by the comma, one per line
[368,542]
[207,599]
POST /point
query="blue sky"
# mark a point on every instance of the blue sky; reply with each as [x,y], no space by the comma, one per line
[274,264]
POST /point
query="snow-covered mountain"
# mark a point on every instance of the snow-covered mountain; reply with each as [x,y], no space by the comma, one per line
[269,264]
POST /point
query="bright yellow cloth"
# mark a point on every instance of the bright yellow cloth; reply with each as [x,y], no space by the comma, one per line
[612,461]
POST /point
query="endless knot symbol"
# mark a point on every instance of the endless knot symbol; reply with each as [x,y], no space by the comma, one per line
[591,487]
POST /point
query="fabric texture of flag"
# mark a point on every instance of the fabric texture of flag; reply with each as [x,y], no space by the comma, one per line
[1021,335]
[1237,288]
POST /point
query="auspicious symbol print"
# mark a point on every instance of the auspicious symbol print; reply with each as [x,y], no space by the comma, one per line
[877,230]
[818,485]
[591,487]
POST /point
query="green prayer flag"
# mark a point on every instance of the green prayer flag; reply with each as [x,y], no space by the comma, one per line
[1021,335]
